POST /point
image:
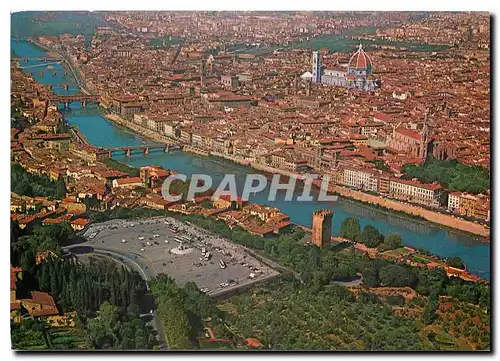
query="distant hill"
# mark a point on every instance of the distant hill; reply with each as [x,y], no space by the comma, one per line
[54,23]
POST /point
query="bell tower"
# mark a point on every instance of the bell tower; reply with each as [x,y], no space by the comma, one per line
[424,138]
[316,67]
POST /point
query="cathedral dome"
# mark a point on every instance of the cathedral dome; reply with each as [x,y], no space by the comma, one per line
[360,59]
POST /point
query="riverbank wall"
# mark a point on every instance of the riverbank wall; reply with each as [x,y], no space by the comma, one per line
[138,129]
[413,210]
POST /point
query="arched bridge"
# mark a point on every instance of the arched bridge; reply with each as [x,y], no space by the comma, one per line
[107,153]
[64,86]
[67,99]
[45,59]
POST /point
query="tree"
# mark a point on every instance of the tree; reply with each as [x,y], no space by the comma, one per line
[133,310]
[431,281]
[429,314]
[351,229]
[371,237]
[451,174]
[313,257]
[455,262]
[175,322]
[28,260]
[370,277]
[60,191]
[393,241]
[101,329]
[397,276]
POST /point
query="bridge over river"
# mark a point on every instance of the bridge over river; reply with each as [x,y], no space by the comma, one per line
[107,153]
[68,99]
[45,59]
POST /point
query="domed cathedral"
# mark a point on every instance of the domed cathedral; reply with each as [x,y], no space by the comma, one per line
[358,75]
[359,71]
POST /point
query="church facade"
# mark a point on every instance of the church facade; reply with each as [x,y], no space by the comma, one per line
[412,142]
[358,75]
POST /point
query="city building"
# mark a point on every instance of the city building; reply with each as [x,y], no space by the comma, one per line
[413,191]
[363,179]
[414,143]
[129,182]
[229,81]
[469,205]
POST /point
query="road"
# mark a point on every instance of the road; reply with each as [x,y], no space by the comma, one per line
[125,259]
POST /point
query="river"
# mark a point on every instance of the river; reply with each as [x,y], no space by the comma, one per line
[416,233]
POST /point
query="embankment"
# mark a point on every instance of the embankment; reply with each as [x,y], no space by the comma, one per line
[431,216]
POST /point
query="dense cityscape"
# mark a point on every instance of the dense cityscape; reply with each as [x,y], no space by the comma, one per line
[391,110]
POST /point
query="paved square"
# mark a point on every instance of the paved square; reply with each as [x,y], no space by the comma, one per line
[154,243]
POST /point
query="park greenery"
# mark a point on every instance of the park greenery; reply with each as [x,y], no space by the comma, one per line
[124,213]
[32,185]
[314,270]
[107,298]
[118,328]
[30,335]
[84,288]
[307,307]
[452,174]
[34,334]
[319,267]
[288,316]
[370,236]
[184,312]
[24,247]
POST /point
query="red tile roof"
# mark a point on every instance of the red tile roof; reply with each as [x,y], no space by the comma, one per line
[42,298]
[80,221]
[253,342]
[416,183]
[129,180]
[13,276]
[409,133]
[15,305]
[383,117]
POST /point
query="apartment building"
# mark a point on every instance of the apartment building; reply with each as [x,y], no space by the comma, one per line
[431,195]
[364,179]
[454,201]
[197,140]
[285,161]
[186,136]
[469,205]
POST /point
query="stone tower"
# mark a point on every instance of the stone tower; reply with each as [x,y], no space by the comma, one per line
[322,227]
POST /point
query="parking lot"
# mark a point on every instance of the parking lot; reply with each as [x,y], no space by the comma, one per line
[165,245]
